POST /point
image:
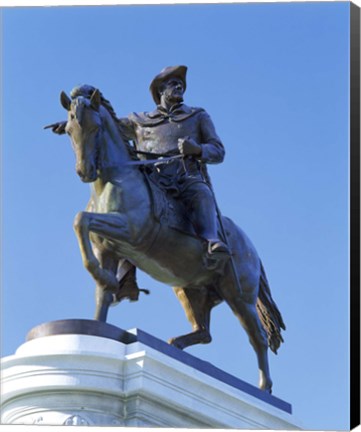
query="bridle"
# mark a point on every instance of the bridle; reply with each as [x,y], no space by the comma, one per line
[157,158]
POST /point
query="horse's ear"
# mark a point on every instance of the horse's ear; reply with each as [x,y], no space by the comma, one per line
[95,100]
[65,100]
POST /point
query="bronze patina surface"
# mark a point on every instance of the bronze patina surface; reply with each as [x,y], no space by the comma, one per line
[152,207]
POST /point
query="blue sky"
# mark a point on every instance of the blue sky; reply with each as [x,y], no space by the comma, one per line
[274,78]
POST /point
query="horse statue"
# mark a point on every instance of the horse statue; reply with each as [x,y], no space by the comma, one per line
[119,223]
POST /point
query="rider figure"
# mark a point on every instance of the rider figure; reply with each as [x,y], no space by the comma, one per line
[175,128]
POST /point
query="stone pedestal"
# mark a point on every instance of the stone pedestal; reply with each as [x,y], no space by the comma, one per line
[80,372]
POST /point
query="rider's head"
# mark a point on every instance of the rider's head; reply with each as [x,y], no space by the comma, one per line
[170,83]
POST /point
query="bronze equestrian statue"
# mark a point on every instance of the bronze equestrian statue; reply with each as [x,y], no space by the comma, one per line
[152,207]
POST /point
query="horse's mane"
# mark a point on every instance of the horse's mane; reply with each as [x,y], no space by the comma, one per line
[86,91]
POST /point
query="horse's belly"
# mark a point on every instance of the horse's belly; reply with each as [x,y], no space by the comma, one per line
[173,274]
[175,259]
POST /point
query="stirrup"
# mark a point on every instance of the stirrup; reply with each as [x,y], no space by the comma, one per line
[217,248]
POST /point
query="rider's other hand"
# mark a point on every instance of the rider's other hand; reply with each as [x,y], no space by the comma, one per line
[188,147]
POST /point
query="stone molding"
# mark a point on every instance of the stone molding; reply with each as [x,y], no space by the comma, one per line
[69,379]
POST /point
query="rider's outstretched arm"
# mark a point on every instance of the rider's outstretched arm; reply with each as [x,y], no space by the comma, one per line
[58,128]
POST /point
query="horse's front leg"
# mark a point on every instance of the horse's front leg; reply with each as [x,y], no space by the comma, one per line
[103,297]
[107,225]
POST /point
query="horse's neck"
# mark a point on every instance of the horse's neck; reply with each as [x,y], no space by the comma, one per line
[116,163]
[114,151]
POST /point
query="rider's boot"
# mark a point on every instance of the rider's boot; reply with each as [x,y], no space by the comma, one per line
[205,217]
[128,287]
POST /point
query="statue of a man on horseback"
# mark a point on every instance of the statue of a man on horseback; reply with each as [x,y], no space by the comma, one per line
[175,128]
[146,170]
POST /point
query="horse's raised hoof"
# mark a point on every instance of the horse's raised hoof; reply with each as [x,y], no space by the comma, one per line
[194,338]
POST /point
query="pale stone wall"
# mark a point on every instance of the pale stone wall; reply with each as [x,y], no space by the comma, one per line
[92,380]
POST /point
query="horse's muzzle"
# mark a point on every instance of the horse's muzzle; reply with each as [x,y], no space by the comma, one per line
[87,177]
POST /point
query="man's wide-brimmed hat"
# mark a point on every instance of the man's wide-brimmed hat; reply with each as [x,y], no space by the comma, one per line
[168,72]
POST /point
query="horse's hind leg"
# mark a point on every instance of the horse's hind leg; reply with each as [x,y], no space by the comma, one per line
[258,339]
[197,305]
[245,310]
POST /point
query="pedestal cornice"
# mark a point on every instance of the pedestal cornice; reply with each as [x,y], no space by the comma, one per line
[126,379]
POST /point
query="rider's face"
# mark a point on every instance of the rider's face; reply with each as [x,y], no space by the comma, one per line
[173,90]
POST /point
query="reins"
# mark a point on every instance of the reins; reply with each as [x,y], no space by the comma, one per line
[161,160]
[152,154]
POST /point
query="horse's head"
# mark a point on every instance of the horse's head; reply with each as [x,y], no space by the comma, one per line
[84,126]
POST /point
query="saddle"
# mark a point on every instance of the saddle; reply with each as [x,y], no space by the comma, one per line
[169,210]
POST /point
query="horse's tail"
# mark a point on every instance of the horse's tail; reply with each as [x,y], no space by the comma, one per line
[269,314]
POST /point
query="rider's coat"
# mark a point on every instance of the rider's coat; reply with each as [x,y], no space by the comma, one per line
[158,131]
